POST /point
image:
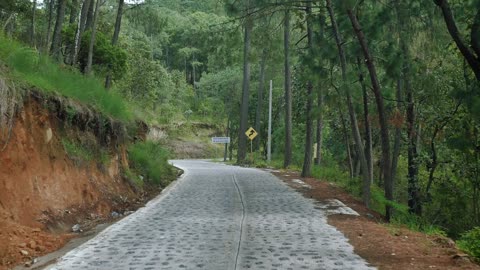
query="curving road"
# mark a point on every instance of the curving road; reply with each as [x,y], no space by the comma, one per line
[220,217]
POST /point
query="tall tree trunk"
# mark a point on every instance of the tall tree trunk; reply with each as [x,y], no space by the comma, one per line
[319,135]
[382,114]
[288,92]
[368,127]
[80,30]
[56,49]
[347,142]
[116,34]
[397,143]
[261,90]
[32,23]
[90,16]
[50,6]
[73,12]
[414,200]
[351,110]
[242,139]
[307,160]
[73,22]
[88,68]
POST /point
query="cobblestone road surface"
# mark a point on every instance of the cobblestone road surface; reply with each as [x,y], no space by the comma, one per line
[220,217]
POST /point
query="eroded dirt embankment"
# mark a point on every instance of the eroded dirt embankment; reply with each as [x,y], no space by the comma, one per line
[44,190]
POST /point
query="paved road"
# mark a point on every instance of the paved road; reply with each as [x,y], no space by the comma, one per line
[219,217]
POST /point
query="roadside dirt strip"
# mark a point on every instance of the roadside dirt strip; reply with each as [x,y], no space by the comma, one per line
[383,245]
[220,217]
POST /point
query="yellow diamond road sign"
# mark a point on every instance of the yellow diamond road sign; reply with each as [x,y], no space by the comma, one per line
[251,133]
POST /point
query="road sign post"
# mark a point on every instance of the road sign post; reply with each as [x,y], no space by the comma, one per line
[269,142]
[221,140]
[251,134]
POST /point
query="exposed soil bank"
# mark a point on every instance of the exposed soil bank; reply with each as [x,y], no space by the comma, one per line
[44,191]
[384,246]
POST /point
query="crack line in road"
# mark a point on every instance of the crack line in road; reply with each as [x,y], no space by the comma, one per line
[241,224]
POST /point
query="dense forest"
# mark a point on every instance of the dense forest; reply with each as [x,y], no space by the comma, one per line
[385,92]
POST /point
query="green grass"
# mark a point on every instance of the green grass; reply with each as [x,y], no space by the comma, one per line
[470,242]
[40,71]
[150,160]
[79,151]
[75,150]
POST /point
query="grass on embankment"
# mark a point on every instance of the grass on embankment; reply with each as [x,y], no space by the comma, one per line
[40,71]
[150,160]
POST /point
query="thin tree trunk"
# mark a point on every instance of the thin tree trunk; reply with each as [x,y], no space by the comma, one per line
[56,49]
[116,34]
[398,132]
[90,16]
[242,139]
[73,21]
[288,92]
[319,136]
[353,117]
[414,200]
[88,68]
[368,127]
[73,12]
[261,90]
[347,142]
[307,160]
[384,132]
[80,30]
[50,6]
[32,23]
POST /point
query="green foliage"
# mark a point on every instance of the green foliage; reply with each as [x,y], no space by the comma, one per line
[150,160]
[75,150]
[43,73]
[106,57]
[470,242]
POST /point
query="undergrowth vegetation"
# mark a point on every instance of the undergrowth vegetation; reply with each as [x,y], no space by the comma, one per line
[150,160]
[37,70]
[76,150]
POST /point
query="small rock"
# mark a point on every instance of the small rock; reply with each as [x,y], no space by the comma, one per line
[126,213]
[24,252]
[22,245]
[76,228]
[32,244]
[40,248]
[370,216]
[393,254]
[115,214]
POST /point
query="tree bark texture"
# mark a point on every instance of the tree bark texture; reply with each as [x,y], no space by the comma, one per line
[288,92]
[56,49]
[307,160]
[116,34]
[88,68]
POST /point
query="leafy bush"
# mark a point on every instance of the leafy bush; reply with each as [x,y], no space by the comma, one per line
[470,242]
[151,161]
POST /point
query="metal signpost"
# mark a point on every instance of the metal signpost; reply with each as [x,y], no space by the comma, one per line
[222,140]
[251,134]
[269,142]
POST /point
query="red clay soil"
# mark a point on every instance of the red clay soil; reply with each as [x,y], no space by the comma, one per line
[382,245]
[43,192]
